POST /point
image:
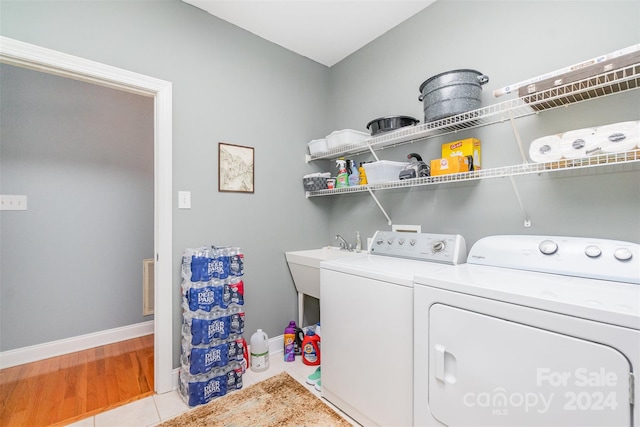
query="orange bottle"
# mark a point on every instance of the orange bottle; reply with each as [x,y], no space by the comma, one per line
[311,349]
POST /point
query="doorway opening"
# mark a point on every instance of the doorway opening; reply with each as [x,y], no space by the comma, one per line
[26,55]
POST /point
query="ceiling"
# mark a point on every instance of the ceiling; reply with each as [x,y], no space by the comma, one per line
[326,31]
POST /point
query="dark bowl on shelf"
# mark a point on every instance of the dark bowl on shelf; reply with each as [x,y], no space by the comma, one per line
[390,123]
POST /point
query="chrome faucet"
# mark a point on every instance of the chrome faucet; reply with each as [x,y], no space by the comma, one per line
[344,245]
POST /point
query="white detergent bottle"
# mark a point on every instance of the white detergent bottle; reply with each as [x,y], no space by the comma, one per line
[259,351]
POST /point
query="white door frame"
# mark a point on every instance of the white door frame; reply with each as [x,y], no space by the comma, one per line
[26,55]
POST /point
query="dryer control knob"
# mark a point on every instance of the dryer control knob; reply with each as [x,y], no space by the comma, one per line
[593,251]
[413,242]
[622,254]
[401,241]
[548,247]
[438,246]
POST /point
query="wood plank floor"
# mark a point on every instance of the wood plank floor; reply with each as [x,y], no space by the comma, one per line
[64,389]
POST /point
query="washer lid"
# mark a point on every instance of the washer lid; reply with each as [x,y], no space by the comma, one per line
[389,269]
[601,300]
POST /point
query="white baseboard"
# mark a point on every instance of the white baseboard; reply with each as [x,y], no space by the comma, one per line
[37,352]
[174,379]
[276,345]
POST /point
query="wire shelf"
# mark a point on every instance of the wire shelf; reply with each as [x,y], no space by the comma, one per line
[523,169]
[615,81]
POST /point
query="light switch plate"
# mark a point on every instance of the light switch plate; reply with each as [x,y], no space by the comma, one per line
[10,202]
[184,199]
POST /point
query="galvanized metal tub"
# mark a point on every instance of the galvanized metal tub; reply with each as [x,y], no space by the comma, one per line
[450,93]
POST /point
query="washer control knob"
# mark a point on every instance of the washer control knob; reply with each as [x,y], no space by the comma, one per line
[592,251]
[379,241]
[548,247]
[438,246]
[390,240]
[413,242]
[401,241]
[622,254]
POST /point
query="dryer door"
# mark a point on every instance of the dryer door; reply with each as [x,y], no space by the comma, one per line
[488,371]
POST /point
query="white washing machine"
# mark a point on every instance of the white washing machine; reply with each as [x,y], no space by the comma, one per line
[531,331]
[366,310]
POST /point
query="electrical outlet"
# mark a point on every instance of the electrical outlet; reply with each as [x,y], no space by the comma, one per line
[9,202]
[184,199]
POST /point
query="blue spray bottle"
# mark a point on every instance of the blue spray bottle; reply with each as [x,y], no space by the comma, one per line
[354,175]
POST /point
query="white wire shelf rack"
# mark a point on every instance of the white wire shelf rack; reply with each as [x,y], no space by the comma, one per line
[507,171]
[614,81]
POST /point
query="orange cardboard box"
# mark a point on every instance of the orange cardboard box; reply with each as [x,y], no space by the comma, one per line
[464,147]
[446,165]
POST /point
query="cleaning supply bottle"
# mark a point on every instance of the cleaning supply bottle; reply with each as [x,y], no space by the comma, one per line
[354,176]
[358,242]
[315,378]
[297,344]
[259,351]
[289,342]
[245,356]
[311,349]
[363,174]
[342,179]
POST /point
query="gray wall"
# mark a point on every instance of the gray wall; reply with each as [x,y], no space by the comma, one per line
[83,154]
[510,42]
[228,86]
[232,86]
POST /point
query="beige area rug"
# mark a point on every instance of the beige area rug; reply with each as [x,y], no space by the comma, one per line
[278,401]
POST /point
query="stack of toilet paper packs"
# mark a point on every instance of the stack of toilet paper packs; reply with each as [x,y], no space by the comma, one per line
[579,143]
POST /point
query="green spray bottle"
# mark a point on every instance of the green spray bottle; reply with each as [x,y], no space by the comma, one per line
[342,179]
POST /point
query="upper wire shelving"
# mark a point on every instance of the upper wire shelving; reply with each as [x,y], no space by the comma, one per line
[608,83]
[615,81]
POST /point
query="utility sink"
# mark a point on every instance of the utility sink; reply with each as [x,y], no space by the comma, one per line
[305,267]
[305,270]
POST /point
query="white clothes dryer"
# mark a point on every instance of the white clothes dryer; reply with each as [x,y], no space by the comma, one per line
[531,331]
[366,310]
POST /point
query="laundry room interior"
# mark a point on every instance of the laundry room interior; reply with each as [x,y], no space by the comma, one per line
[524,235]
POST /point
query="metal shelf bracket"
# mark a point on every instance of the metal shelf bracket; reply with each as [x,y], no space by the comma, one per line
[375,156]
[518,139]
[380,206]
[527,220]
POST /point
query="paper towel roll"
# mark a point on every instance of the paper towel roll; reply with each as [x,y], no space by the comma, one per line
[619,137]
[580,143]
[545,149]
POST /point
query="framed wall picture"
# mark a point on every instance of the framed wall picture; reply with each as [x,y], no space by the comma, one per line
[235,168]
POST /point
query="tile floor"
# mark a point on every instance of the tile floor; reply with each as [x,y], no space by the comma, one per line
[158,408]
